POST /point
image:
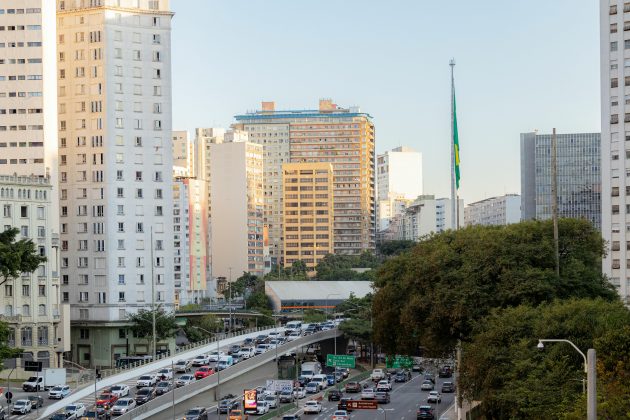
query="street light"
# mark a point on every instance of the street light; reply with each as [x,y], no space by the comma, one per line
[217,365]
[591,374]
[327,296]
[371,338]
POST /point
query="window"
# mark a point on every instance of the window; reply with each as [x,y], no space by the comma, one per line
[83,297]
[613,46]
[613,9]
[136,55]
[23,211]
[26,290]
[84,314]
[8,290]
[121,296]
[613,28]
[121,279]
[84,334]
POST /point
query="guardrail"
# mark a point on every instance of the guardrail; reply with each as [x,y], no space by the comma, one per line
[167,401]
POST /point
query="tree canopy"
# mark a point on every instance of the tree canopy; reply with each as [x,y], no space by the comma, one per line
[432,295]
[17,256]
[340,267]
[142,324]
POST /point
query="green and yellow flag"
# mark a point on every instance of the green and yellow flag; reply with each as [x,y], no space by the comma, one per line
[455,142]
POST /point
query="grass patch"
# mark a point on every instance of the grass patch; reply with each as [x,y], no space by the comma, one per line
[278,411]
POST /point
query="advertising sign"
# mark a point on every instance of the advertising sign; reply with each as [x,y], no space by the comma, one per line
[279,385]
[250,400]
[362,404]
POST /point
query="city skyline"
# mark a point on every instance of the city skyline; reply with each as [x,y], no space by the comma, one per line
[503,77]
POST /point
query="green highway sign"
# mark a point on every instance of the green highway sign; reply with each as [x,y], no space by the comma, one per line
[340,360]
[397,362]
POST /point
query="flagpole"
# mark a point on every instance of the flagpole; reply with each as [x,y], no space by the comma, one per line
[454,204]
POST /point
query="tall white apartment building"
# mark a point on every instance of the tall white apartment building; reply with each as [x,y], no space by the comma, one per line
[115,163]
[443,214]
[494,211]
[615,136]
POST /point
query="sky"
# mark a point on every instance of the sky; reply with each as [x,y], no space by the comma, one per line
[521,66]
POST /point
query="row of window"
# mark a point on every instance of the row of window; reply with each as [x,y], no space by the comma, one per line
[98,159]
[20,11]
[7,209]
[21,28]
[21,161]
[84,297]
[26,290]
[20,44]
[97,176]
[36,127]
[118,88]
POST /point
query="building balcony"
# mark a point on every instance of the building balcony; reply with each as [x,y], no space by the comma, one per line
[11,319]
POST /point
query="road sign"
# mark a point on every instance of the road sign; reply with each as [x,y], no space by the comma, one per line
[30,366]
[397,362]
[340,360]
[362,404]
[8,395]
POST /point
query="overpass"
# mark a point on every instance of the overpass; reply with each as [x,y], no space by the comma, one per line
[189,391]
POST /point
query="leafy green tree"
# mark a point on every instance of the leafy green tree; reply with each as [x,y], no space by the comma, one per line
[392,248]
[245,284]
[17,256]
[432,295]
[502,367]
[142,325]
[311,315]
[190,307]
[340,267]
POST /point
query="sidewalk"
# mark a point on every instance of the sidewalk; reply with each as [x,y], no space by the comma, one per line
[449,414]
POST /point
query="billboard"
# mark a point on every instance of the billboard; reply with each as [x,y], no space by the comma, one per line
[250,401]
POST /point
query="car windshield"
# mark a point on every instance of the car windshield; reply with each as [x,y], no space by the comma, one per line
[122,402]
[21,402]
[193,412]
[144,391]
[105,396]
[163,384]
[116,388]
[186,377]
[144,378]
[57,388]
[68,407]
[270,398]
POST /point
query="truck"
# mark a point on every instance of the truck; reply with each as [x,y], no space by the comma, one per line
[46,379]
[377,375]
[309,369]
[225,362]
[293,326]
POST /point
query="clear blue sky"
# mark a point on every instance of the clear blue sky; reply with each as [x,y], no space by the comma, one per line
[521,65]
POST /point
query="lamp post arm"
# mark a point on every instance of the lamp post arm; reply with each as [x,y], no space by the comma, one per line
[549,340]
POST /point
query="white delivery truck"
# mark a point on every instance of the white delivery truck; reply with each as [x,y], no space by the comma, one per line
[293,326]
[46,379]
[310,369]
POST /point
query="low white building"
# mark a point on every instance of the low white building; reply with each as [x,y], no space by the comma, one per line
[298,295]
[494,211]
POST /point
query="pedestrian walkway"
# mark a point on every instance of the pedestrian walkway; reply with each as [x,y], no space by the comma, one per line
[449,414]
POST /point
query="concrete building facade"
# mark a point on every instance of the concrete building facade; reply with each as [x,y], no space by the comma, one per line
[579,176]
[115,163]
[494,211]
[308,207]
[183,153]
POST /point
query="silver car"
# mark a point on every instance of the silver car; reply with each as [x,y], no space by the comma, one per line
[122,406]
[184,380]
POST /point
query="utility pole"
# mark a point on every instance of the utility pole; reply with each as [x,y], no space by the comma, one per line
[554,199]
[153,329]
[230,300]
[454,210]
[591,384]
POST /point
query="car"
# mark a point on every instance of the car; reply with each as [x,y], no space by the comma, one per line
[74,411]
[384,386]
[382,397]
[299,392]
[367,394]
[344,371]
[227,404]
[448,387]
[58,416]
[3,413]
[417,367]
[434,397]
[248,342]
[427,385]
[144,395]
[106,399]
[165,374]
[312,407]
[338,377]
[286,396]
[331,379]
[184,380]
[262,407]
[203,372]
[402,376]
[429,377]
[272,400]
[334,395]
[99,414]
[353,387]
[246,352]
[146,380]
[237,415]
[183,366]
[340,415]
[260,349]
[343,404]
[312,388]
[445,372]
[377,375]
[236,358]
[36,401]
[201,360]
[196,413]
[163,387]
[215,356]
[120,390]
[235,348]
[122,406]
[425,412]
[58,392]
[261,339]
[21,407]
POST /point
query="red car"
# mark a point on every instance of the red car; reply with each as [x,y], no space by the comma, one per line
[106,399]
[203,372]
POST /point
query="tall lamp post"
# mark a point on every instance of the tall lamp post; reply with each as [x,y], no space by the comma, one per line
[327,296]
[217,365]
[591,374]
[371,338]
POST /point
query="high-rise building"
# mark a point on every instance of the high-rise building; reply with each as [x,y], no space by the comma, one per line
[494,211]
[38,321]
[444,216]
[236,192]
[615,119]
[183,153]
[579,176]
[204,137]
[343,137]
[308,206]
[190,226]
[115,160]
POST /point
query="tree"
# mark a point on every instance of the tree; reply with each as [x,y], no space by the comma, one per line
[340,267]
[17,257]
[142,324]
[502,367]
[432,295]
[358,318]
[311,316]
[245,284]
[392,248]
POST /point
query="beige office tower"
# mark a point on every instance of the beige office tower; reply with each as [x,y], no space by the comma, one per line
[183,153]
[308,206]
[236,192]
[343,137]
[116,162]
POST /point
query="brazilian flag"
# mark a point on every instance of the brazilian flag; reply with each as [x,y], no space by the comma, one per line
[455,142]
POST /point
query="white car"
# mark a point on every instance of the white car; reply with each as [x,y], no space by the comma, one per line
[312,407]
[294,335]
[120,390]
[122,406]
[262,407]
[201,360]
[427,386]
[183,366]
[384,386]
[377,375]
[21,407]
[246,353]
[165,374]
[272,400]
[215,356]
[184,380]
[299,393]
[261,348]
[146,380]
[434,397]
[340,415]
[58,392]
[75,411]
[367,394]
